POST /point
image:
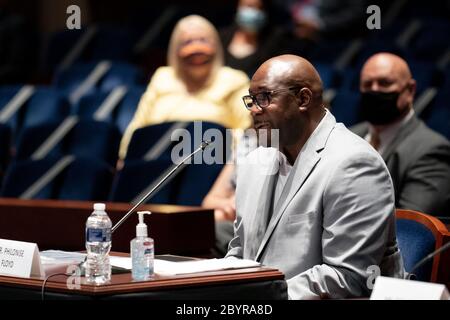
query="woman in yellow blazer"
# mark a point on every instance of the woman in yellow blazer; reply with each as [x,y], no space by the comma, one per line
[195,85]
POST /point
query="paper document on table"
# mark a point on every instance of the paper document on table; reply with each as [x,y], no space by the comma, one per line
[61,257]
[120,262]
[172,268]
[57,261]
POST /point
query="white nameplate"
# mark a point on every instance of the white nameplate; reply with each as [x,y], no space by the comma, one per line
[20,259]
[399,289]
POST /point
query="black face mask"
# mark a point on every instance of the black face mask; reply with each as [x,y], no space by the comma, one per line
[379,108]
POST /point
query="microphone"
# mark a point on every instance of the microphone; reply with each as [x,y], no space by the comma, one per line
[411,275]
[203,145]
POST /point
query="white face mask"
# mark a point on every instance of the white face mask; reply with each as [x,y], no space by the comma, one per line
[250,19]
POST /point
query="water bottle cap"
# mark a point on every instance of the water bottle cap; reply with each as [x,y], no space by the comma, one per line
[99,207]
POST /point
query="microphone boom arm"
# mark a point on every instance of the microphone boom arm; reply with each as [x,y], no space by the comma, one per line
[155,188]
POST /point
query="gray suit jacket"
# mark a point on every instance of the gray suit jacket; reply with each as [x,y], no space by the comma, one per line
[419,163]
[334,219]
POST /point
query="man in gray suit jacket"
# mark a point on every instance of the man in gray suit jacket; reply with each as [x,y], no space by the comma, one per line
[322,209]
[418,158]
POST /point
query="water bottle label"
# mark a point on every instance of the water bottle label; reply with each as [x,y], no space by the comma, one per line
[148,251]
[98,235]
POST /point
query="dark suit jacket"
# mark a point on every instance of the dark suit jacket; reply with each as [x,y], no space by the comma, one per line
[419,162]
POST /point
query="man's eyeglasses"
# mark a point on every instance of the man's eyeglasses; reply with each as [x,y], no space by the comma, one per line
[262,99]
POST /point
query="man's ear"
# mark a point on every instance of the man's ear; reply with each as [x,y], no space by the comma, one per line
[304,97]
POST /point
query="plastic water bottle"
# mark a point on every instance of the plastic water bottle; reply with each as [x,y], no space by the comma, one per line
[98,245]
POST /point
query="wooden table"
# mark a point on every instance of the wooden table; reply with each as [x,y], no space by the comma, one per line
[54,224]
[247,283]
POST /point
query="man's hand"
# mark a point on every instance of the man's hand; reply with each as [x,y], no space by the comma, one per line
[227,210]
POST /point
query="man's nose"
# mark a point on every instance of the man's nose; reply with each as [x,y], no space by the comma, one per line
[374,86]
[255,110]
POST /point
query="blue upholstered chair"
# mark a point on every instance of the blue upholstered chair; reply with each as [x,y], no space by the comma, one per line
[137,175]
[345,107]
[45,105]
[86,179]
[20,175]
[418,235]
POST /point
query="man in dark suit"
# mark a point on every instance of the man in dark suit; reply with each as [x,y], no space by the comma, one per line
[418,158]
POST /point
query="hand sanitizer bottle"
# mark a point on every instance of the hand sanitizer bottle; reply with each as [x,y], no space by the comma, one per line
[142,251]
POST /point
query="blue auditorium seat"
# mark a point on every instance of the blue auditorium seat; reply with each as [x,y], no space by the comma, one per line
[31,137]
[327,74]
[96,139]
[349,79]
[6,94]
[69,79]
[86,179]
[144,138]
[87,138]
[46,105]
[127,108]
[345,107]
[20,175]
[137,175]
[439,120]
[424,73]
[121,74]
[86,107]
[195,182]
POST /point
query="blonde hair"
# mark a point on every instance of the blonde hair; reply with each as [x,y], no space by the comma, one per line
[186,23]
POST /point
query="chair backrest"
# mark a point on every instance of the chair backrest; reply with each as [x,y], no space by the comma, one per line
[20,175]
[6,94]
[121,74]
[194,183]
[86,107]
[345,107]
[327,74]
[86,179]
[137,176]
[146,138]
[83,179]
[418,235]
[127,108]
[88,138]
[32,137]
[46,105]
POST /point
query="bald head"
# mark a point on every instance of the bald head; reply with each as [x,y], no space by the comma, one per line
[286,95]
[288,71]
[387,67]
